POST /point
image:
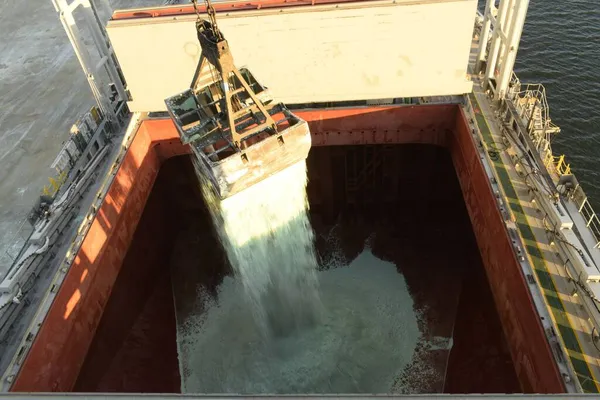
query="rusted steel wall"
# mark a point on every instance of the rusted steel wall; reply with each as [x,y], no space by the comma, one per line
[531,353]
[428,124]
[134,349]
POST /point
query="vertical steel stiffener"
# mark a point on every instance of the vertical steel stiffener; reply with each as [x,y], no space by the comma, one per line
[238,134]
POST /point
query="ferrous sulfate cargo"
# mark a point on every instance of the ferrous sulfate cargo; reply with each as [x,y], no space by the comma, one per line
[365,338]
[267,237]
[280,325]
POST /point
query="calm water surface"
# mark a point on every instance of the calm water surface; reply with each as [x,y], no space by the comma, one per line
[560,48]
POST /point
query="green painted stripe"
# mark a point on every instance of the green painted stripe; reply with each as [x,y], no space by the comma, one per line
[557,308]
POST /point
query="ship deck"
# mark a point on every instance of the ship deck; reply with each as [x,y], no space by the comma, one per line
[43,93]
[570,331]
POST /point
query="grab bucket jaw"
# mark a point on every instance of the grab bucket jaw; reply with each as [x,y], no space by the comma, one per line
[232,167]
[259,161]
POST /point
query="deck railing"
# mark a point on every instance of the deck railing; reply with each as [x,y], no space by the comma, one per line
[525,100]
[587,212]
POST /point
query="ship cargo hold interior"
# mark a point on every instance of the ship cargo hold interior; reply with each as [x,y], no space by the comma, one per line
[398,175]
[402,181]
[407,196]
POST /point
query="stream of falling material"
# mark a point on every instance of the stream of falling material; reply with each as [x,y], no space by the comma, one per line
[268,239]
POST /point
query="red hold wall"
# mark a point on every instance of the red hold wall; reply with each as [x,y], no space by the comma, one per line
[429,124]
[134,348]
[57,355]
[531,353]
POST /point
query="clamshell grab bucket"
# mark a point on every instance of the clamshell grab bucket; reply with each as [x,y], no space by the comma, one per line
[231,169]
[238,134]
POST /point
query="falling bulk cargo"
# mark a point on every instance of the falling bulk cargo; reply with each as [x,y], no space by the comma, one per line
[247,145]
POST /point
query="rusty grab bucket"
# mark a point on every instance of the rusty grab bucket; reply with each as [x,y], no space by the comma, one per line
[234,166]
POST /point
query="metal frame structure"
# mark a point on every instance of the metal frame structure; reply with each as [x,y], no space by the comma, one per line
[506,21]
[237,133]
[109,95]
[215,51]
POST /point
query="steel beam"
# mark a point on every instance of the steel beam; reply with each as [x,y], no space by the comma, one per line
[496,42]
[485,33]
[100,88]
[510,51]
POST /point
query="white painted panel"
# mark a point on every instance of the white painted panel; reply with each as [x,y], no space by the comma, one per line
[357,51]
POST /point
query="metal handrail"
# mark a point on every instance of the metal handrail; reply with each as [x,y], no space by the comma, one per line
[587,212]
[538,91]
[555,164]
